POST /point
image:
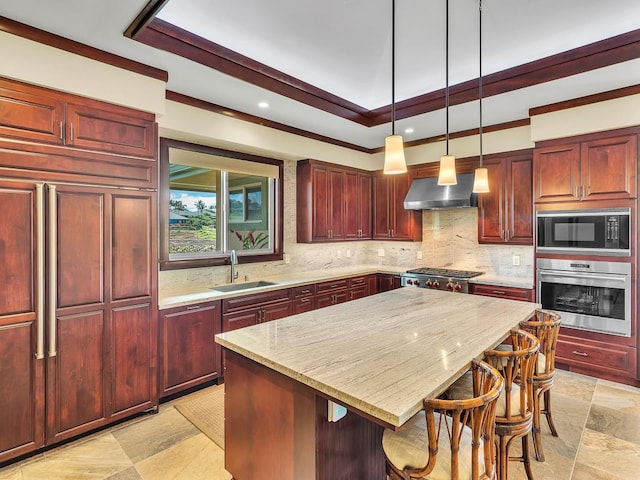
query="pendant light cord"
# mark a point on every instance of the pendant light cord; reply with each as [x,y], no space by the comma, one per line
[393,67]
[446,91]
[480,78]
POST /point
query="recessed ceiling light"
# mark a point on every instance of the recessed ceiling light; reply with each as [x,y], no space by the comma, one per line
[263,105]
[408,130]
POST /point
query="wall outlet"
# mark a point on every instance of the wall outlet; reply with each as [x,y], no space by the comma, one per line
[348,253]
[339,254]
[286,257]
[516,260]
[419,254]
[381,252]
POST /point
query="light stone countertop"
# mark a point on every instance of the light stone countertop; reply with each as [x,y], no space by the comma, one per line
[502,281]
[190,295]
[385,353]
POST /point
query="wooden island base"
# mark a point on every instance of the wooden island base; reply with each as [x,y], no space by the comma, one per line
[276,427]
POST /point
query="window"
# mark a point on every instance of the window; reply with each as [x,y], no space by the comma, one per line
[213,201]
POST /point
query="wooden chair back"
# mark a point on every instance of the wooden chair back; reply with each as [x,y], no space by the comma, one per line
[516,367]
[451,417]
[545,325]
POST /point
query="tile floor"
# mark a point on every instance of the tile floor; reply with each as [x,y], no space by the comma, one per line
[598,422]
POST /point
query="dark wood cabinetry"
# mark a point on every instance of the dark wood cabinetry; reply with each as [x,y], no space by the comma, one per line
[597,168]
[78,283]
[332,293]
[505,213]
[510,293]
[390,219]
[333,203]
[247,310]
[388,281]
[41,115]
[303,299]
[189,355]
[593,357]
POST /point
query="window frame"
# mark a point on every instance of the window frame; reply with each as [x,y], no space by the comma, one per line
[163,211]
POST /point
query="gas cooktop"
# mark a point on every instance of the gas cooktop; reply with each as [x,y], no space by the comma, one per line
[445,272]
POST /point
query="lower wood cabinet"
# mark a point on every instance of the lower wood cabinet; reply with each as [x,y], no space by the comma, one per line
[596,358]
[511,293]
[388,281]
[303,299]
[247,310]
[189,355]
[332,293]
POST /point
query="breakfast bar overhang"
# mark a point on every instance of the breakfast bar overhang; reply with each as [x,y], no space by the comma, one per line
[378,356]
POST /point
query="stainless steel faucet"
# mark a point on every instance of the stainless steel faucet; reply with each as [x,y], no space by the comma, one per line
[233,260]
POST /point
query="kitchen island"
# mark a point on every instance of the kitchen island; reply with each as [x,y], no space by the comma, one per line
[378,356]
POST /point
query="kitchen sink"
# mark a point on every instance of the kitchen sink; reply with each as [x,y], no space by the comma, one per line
[234,287]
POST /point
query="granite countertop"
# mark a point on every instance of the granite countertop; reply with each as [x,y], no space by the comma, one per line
[195,294]
[385,353]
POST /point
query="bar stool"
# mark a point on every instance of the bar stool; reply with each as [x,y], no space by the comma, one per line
[449,438]
[545,325]
[514,411]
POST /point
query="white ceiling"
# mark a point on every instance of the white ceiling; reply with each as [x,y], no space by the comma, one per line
[344,47]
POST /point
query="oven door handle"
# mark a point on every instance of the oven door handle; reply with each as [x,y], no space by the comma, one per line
[614,277]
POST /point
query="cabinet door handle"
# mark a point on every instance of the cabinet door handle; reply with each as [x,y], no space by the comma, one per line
[62,131]
[582,354]
[40,270]
[71,132]
[53,264]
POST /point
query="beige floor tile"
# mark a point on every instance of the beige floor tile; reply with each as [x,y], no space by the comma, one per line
[574,385]
[622,398]
[585,472]
[616,423]
[196,458]
[609,454]
[154,434]
[95,459]
[11,473]
[556,467]
[129,474]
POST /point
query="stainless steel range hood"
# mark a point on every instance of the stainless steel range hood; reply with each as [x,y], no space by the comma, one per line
[426,194]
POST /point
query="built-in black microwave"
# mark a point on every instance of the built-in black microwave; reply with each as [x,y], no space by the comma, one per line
[589,232]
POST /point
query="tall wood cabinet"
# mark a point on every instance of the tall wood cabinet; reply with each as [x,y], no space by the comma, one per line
[601,168]
[390,219]
[78,283]
[505,213]
[333,202]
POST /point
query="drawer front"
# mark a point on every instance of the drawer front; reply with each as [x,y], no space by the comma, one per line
[620,359]
[246,318]
[303,304]
[511,293]
[303,291]
[332,286]
[254,300]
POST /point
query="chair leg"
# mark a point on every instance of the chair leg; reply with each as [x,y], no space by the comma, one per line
[525,457]
[547,412]
[502,460]
[535,429]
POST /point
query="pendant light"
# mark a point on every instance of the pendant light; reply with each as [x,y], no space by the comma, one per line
[481,177]
[394,161]
[447,173]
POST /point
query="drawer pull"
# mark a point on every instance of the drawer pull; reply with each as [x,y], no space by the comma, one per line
[582,354]
[193,307]
[304,300]
[499,292]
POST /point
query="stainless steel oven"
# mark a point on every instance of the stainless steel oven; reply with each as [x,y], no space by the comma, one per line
[589,295]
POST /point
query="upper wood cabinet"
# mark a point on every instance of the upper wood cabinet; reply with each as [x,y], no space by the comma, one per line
[390,219]
[598,169]
[333,203]
[38,114]
[505,213]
